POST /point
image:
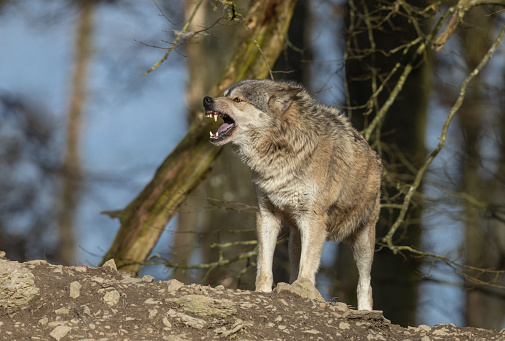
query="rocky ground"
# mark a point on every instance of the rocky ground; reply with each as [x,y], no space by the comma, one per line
[39,301]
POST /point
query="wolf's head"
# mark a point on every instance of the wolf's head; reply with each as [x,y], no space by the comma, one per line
[249,106]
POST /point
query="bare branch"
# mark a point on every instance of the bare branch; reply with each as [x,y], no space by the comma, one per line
[174,45]
[459,11]
[388,239]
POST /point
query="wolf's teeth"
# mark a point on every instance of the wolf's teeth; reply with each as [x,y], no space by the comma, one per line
[211,135]
[217,134]
[215,118]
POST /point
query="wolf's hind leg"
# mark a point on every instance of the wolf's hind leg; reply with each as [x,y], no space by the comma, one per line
[363,244]
[295,248]
[268,226]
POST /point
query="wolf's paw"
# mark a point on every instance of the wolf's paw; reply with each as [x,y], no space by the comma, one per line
[263,286]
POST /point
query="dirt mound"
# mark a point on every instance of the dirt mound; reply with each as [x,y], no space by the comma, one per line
[39,301]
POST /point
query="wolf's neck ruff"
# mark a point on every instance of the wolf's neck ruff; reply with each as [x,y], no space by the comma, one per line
[285,145]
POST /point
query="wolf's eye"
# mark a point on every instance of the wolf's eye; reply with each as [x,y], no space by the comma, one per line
[236,99]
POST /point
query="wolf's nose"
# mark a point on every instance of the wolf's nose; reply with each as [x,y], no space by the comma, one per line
[207,101]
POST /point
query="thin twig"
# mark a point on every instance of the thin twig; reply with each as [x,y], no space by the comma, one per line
[186,25]
[388,239]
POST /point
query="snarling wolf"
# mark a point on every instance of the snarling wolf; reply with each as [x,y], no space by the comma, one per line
[312,171]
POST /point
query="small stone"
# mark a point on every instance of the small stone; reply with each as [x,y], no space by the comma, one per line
[425,338]
[86,310]
[340,306]
[234,328]
[59,332]
[174,285]
[75,289]
[43,321]
[81,268]
[424,327]
[311,331]
[36,262]
[110,264]
[97,279]
[278,319]
[281,326]
[111,297]
[153,313]
[151,301]
[301,287]
[344,325]
[62,311]
[220,330]
[283,301]
[192,321]
[204,305]
[440,332]
[166,322]
[148,279]
[17,285]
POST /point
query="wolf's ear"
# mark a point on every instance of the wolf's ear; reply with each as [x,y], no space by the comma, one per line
[282,99]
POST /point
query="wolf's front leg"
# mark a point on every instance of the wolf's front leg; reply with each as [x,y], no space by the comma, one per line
[268,225]
[313,235]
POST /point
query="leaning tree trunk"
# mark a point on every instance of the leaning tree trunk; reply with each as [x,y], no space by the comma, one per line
[198,228]
[143,219]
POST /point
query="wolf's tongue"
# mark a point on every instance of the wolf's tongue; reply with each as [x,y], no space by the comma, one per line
[224,127]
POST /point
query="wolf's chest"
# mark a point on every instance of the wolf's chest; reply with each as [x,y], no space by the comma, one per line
[287,196]
[287,200]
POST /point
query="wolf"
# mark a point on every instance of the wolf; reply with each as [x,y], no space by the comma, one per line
[312,172]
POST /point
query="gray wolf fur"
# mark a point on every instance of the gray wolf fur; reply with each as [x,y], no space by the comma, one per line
[312,171]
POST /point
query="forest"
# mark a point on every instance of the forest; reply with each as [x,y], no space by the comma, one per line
[104,150]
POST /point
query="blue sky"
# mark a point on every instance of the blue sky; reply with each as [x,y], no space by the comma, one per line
[130,121]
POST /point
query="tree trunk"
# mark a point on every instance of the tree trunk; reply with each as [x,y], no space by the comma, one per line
[72,163]
[485,305]
[394,278]
[143,220]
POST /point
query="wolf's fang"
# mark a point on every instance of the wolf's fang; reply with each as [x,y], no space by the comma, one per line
[211,135]
[215,118]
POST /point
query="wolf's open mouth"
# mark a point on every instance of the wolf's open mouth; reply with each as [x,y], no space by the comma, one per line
[225,129]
